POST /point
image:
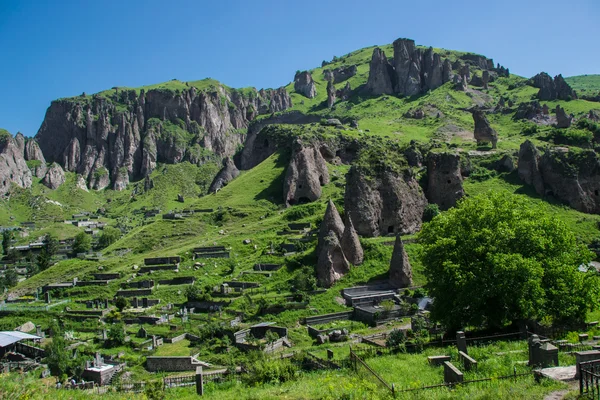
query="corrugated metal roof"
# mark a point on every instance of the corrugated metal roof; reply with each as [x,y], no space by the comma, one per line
[10,337]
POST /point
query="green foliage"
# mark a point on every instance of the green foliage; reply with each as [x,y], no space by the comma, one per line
[116,335]
[431,211]
[121,303]
[270,371]
[305,280]
[198,293]
[572,136]
[395,338]
[58,357]
[521,263]
[7,237]
[154,390]
[82,243]
[108,237]
[9,279]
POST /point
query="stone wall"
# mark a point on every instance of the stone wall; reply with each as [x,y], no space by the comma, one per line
[172,364]
[162,260]
[134,292]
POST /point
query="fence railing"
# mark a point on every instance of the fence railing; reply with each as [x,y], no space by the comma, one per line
[179,381]
[359,365]
[589,379]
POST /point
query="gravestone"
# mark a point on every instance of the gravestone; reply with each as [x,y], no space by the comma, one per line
[199,382]
[461,342]
[142,333]
[437,360]
[38,331]
[145,302]
[584,356]
[452,374]
[88,304]
[97,360]
[329,354]
[47,297]
[468,362]
[134,302]
[547,355]
[105,303]
[154,342]
[534,342]
[104,334]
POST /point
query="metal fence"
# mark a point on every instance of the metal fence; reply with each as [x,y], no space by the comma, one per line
[179,381]
[589,379]
[359,365]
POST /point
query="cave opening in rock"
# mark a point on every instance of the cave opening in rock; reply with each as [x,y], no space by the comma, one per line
[299,186]
[266,143]
[449,181]
[303,200]
[596,192]
[321,182]
[391,229]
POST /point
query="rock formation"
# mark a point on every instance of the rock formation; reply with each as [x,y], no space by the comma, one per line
[562,119]
[305,175]
[127,133]
[444,186]
[13,168]
[400,269]
[384,204]
[483,131]
[330,94]
[332,264]
[351,244]
[228,173]
[304,84]
[340,74]
[54,177]
[332,222]
[571,178]
[485,77]
[408,63]
[552,89]
[345,92]
[381,74]
[19,141]
[33,153]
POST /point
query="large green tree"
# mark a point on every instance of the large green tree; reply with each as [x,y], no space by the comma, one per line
[496,258]
[82,243]
[108,237]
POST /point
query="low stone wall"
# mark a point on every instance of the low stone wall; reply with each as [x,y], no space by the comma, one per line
[243,285]
[267,267]
[183,280]
[326,318]
[140,284]
[162,260]
[106,276]
[134,293]
[176,338]
[92,283]
[147,268]
[172,364]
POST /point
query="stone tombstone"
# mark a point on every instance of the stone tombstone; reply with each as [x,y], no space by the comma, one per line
[38,331]
[154,342]
[145,302]
[134,302]
[329,354]
[461,342]
[452,374]
[199,382]
[104,334]
[105,303]
[173,327]
[142,333]
[534,342]
[88,304]
[97,360]
[469,363]
[47,297]
[547,355]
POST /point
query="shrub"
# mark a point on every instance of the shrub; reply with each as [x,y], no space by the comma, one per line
[431,211]
[396,338]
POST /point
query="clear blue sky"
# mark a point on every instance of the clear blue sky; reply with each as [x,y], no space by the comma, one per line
[51,49]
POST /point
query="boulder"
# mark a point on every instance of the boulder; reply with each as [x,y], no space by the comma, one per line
[381,74]
[332,264]
[400,275]
[306,173]
[304,84]
[444,186]
[483,131]
[344,93]
[34,153]
[55,176]
[562,119]
[332,222]
[351,244]
[340,74]
[528,166]
[228,173]
[385,203]
[330,94]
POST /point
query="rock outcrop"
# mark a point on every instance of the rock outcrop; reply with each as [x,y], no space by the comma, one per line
[228,173]
[331,92]
[573,178]
[13,168]
[444,186]
[332,222]
[55,176]
[384,204]
[483,131]
[400,269]
[351,244]
[562,119]
[127,132]
[552,89]
[304,84]
[340,74]
[381,74]
[33,153]
[332,264]
[306,173]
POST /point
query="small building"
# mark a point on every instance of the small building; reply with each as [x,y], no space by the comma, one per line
[10,339]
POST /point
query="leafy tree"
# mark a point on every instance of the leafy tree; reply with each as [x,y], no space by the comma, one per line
[44,260]
[51,244]
[431,211]
[495,259]
[7,237]
[121,303]
[57,355]
[116,335]
[305,280]
[82,243]
[108,237]
[395,338]
[9,279]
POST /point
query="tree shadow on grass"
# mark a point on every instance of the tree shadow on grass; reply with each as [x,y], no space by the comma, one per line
[274,192]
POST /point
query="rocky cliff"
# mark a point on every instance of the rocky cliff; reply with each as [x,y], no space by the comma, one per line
[386,203]
[13,168]
[444,186]
[111,139]
[572,176]
[228,173]
[552,89]
[306,173]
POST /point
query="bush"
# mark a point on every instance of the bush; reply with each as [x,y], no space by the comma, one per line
[571,136]
[431,211]
[270,371]
[396,338]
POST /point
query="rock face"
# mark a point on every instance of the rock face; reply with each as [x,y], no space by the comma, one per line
[304,84]
[33,153]
[385,204]
[332,264]
[552,89]
[416,70]
[228,173]
[400,269]
[381,74]
[54,177]
[127,133]
[13,168]
[351,244]
[572,178]
[330,94]
[483,130]
[562,119]
[340,74]
[444,186]
[305,175]
[332,222]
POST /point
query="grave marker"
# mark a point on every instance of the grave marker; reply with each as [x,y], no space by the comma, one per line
[461,342]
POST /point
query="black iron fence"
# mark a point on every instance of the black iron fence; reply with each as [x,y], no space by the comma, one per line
[589,379]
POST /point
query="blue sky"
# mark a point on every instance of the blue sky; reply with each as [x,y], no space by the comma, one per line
[51,49]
